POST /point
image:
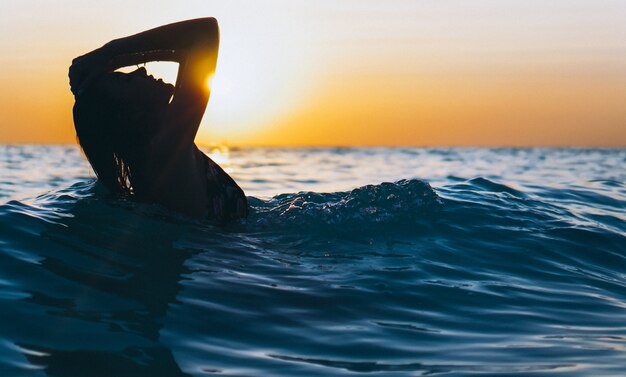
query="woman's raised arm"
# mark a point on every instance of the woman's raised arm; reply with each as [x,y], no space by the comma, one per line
[171,42]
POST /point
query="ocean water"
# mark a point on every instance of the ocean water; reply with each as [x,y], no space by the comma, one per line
[455,262]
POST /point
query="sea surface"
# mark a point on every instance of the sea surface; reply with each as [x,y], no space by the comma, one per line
[417,261]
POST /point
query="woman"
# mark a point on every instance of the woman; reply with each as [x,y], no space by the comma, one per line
[138,132]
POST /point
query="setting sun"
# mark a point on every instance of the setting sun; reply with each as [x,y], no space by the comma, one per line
[260,79]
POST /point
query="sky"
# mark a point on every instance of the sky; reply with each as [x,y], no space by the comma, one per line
[349,72]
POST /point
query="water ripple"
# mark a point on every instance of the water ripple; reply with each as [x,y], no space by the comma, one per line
[507,262]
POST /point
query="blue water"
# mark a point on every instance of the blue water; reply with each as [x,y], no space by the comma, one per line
[495,262]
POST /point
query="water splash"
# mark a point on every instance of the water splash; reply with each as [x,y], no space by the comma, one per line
[372,207]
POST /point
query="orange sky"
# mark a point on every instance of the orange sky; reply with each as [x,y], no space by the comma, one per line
[350,72]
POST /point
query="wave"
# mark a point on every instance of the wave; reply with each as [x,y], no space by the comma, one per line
[483,214]
[404,203]
[369,280]
[407,205]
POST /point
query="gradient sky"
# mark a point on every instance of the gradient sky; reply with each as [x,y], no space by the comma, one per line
[350,72]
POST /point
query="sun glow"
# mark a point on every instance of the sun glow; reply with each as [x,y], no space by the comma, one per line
[256,83]
[353,72]
[259,79]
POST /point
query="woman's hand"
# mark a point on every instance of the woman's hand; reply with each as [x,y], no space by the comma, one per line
[85,69]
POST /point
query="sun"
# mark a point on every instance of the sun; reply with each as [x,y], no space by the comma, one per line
[254,86]
[262,76]
[250,90]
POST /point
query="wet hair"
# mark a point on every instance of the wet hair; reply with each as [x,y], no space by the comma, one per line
[111,134]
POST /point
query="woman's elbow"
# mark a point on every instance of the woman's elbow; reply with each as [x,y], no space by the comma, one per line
[211,30]
[206,26]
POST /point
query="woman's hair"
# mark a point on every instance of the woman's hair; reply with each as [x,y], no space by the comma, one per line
[111,133]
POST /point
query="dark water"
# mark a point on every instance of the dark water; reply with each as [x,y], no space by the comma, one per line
[513,264]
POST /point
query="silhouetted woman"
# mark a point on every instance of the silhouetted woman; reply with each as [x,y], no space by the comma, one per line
[138,132]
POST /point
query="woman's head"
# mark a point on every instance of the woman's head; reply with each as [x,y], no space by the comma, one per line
[114,118]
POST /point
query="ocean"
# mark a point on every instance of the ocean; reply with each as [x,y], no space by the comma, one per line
[375,261]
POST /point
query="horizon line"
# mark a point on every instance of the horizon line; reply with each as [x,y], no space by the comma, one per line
[372,146]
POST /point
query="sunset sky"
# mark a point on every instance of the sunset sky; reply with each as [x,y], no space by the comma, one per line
[349,72]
